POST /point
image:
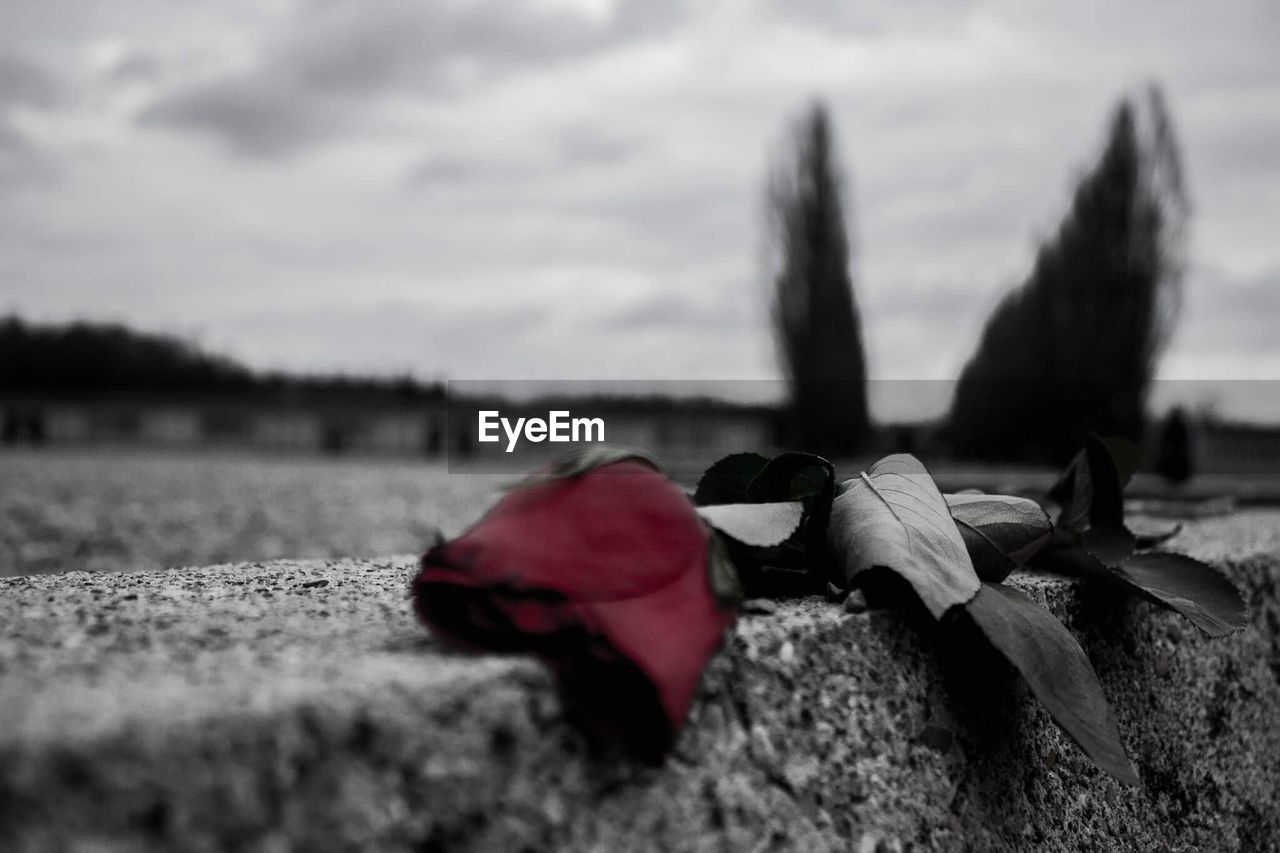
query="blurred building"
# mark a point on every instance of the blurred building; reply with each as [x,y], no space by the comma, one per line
[334,425]
[373,423]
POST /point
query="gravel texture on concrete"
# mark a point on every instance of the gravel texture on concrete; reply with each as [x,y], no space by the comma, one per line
[297,705]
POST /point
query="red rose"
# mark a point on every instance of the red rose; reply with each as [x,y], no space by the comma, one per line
[603,574]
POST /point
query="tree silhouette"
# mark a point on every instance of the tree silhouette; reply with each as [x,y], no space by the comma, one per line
[82,356]
[815,318]
[44,360]
[1073,350]
[1174,457]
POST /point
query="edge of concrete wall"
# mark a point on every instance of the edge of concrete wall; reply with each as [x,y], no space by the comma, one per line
[298,705]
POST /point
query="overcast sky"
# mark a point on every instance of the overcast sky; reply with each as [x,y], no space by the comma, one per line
[573,188]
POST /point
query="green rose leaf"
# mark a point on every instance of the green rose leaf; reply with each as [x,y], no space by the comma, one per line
[1056,669]
[757,525]
[1001,532]
[894,517]
[1185,585]
[727,481]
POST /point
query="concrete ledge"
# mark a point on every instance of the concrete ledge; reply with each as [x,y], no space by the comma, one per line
[298,706]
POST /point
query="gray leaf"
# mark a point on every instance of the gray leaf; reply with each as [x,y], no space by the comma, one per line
[758,525]
[723,574]
[727,481]
[1111,544]
[893,516]
[1056,669]
[1000,531]
[1197,591]
[1185,585]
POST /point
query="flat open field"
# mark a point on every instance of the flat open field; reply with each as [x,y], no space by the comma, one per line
[111,509]
[118,509]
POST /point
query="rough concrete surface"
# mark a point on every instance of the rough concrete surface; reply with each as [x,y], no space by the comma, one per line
[297,705]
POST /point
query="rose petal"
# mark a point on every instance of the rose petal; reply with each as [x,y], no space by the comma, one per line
[605,576]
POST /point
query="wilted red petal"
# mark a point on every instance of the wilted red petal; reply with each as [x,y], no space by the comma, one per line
[604,575]
[611,533]
[670,634]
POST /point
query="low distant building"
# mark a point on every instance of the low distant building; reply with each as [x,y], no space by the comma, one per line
[315,424]
[376,424]
[379,422]
[1221,447]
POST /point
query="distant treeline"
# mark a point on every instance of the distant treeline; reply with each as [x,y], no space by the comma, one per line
[103,358]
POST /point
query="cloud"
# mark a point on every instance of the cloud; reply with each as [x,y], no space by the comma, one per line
[339,58]
[573,148]
[878,17]
[445,170]
[584,144]
[23,82]
[21,163]
[256,115]
[23,85]
[135,66]
[381,338]
[475,340]
[680,311]
[591,172]
[1225,316]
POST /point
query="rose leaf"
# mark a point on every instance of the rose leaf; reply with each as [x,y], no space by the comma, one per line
[1111,544]
[894,517]
[723,574]
[793,476]
[757,525]
[1201,593]
[1001,532]
[1195,590]
[1091,489]
[726,481]
[1056,669]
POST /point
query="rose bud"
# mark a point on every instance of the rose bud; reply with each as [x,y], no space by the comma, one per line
[603,572]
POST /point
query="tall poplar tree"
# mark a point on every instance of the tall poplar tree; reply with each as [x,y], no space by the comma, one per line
[815,317]
[1073,350]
